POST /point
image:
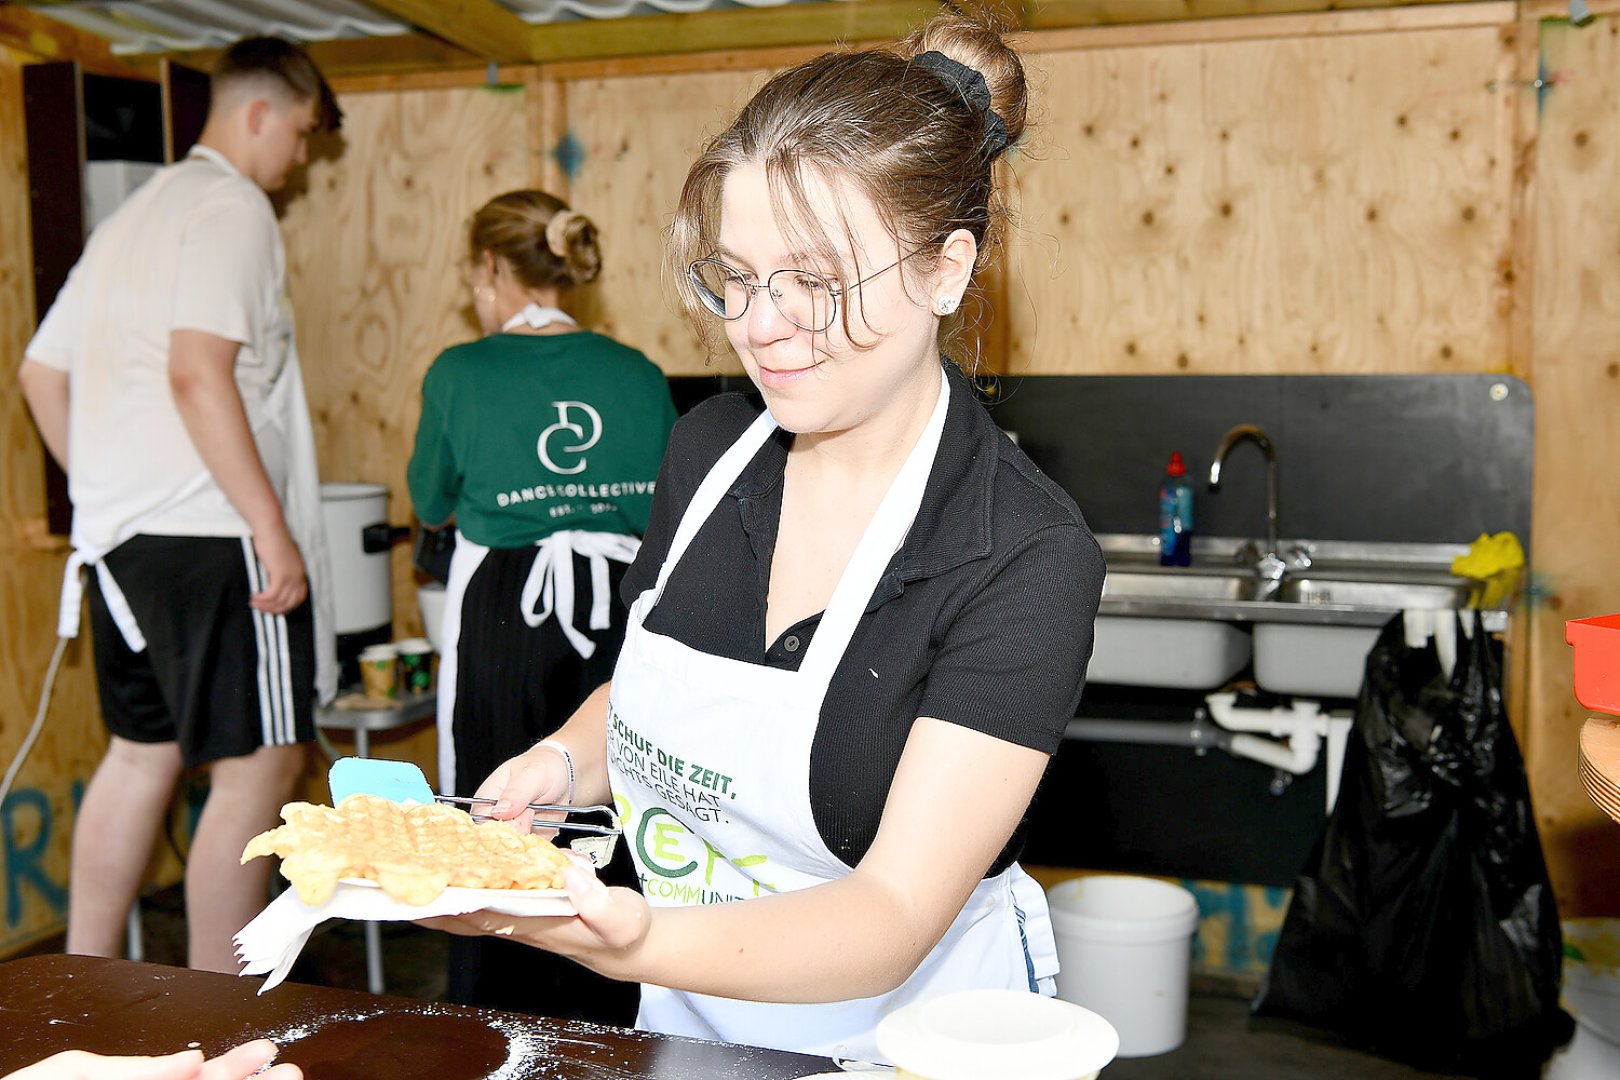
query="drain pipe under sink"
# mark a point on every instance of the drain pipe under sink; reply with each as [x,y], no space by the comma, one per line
[1300,725]
[1286,737]
[1289,738]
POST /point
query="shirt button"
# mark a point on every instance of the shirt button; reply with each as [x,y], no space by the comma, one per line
[790,643]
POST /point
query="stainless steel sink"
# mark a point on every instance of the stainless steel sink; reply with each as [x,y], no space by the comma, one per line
[1191,584]
[1306,635]
[1392,595]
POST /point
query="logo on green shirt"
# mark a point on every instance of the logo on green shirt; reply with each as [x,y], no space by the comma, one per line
[549,443]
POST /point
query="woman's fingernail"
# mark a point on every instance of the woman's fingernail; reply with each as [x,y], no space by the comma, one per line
[576,879]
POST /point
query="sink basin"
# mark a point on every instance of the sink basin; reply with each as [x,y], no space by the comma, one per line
[1312,661]
[1394,595]
[1186,654]
[1191,584]
[1196,627]
[1191,653]
[1329,660]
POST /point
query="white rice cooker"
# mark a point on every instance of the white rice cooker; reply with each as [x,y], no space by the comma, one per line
[360,539]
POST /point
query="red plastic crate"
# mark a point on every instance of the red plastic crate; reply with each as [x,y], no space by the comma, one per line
[1597,661]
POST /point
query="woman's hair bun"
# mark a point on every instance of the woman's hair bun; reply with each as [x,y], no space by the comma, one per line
[545,243]
[979,46]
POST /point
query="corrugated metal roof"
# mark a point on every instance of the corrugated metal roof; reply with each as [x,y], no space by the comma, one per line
[135,27]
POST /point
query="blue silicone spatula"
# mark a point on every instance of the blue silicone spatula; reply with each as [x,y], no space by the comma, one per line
[397,781]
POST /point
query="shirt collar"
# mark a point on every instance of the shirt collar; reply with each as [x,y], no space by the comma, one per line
[198,150]
[953,522]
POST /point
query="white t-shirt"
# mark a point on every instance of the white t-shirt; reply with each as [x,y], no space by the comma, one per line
[196,247]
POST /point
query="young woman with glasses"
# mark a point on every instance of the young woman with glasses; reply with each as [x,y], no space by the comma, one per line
[541,441]
[860,620]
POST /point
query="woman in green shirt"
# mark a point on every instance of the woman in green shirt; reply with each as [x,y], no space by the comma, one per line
[541,441]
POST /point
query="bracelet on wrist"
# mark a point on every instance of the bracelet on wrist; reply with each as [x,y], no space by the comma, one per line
[568,762]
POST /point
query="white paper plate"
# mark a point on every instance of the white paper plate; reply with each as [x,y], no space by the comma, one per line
[521,902]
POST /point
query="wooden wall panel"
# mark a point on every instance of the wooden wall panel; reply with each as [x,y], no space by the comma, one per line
[1577,386]
[629,181]
[36,820]
[1308,205]
[376,241]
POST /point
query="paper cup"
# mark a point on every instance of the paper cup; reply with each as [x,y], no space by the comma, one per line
[379,671]
[415,665]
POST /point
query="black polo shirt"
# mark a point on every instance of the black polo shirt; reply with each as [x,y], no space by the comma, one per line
[983,618]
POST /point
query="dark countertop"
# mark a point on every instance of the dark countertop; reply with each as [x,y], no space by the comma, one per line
[54,1003]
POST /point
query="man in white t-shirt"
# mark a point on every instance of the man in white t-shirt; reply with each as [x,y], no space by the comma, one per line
[165,381]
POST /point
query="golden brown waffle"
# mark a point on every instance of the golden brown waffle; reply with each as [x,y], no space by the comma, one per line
[413,851]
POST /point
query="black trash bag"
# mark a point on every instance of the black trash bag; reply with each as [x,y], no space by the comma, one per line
[1423,927]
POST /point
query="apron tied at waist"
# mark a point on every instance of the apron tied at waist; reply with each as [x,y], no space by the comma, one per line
[550,587]
[67,616]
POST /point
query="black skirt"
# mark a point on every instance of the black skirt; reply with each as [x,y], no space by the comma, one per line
[516,685]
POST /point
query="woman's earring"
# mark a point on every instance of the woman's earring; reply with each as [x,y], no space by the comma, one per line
[945,304]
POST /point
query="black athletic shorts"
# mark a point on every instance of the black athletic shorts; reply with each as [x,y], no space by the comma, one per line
[216,676]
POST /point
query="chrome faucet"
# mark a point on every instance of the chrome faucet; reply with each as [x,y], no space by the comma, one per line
[1270,567]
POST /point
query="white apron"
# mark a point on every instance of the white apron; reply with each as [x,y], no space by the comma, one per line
[709,760]
[548,592]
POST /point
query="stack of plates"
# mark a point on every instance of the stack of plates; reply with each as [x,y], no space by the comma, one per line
[1600,763]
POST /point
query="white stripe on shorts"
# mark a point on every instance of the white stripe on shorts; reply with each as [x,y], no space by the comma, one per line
[284,696]
[270,719]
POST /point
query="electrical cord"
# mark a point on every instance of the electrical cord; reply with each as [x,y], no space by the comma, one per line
[39,720]
[180,851]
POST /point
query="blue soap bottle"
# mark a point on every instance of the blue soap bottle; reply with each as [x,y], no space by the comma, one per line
[1175,515]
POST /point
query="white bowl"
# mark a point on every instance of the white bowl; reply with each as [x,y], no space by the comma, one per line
[986,1034]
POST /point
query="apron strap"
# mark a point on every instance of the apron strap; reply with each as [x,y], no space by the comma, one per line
[465,560]
[67,615]
[537,317]
[550,585]
[882,539]
[710,492]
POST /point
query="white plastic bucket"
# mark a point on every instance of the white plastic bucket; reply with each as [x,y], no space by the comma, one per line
[1592,996]
[1124,946]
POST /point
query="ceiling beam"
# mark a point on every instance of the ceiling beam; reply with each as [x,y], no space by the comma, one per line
[404,54]
[712,31]
[1051,14]
[482,27]
[631,36]
[40,35]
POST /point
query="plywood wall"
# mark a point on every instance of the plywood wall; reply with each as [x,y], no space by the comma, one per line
[36,819]
[629,181]
[376,243]
[1323,204]
[1576,366]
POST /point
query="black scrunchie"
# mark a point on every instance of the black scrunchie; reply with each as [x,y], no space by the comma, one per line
[975,91]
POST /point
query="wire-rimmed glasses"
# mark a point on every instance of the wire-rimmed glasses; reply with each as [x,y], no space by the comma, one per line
[805,298]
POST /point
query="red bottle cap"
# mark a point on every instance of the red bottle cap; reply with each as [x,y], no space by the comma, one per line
[1177,467]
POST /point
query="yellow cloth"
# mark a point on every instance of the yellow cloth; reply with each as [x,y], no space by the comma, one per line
[1493,560]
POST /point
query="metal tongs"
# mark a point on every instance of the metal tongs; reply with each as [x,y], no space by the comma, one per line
[596,846]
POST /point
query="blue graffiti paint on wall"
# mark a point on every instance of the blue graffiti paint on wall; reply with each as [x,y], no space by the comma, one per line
[24,863]
[569,155]
[1247,947]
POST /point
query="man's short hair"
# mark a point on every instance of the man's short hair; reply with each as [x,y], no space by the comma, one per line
[280,61]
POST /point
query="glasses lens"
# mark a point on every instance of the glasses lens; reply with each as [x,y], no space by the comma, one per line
[806,299]
[720,288]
